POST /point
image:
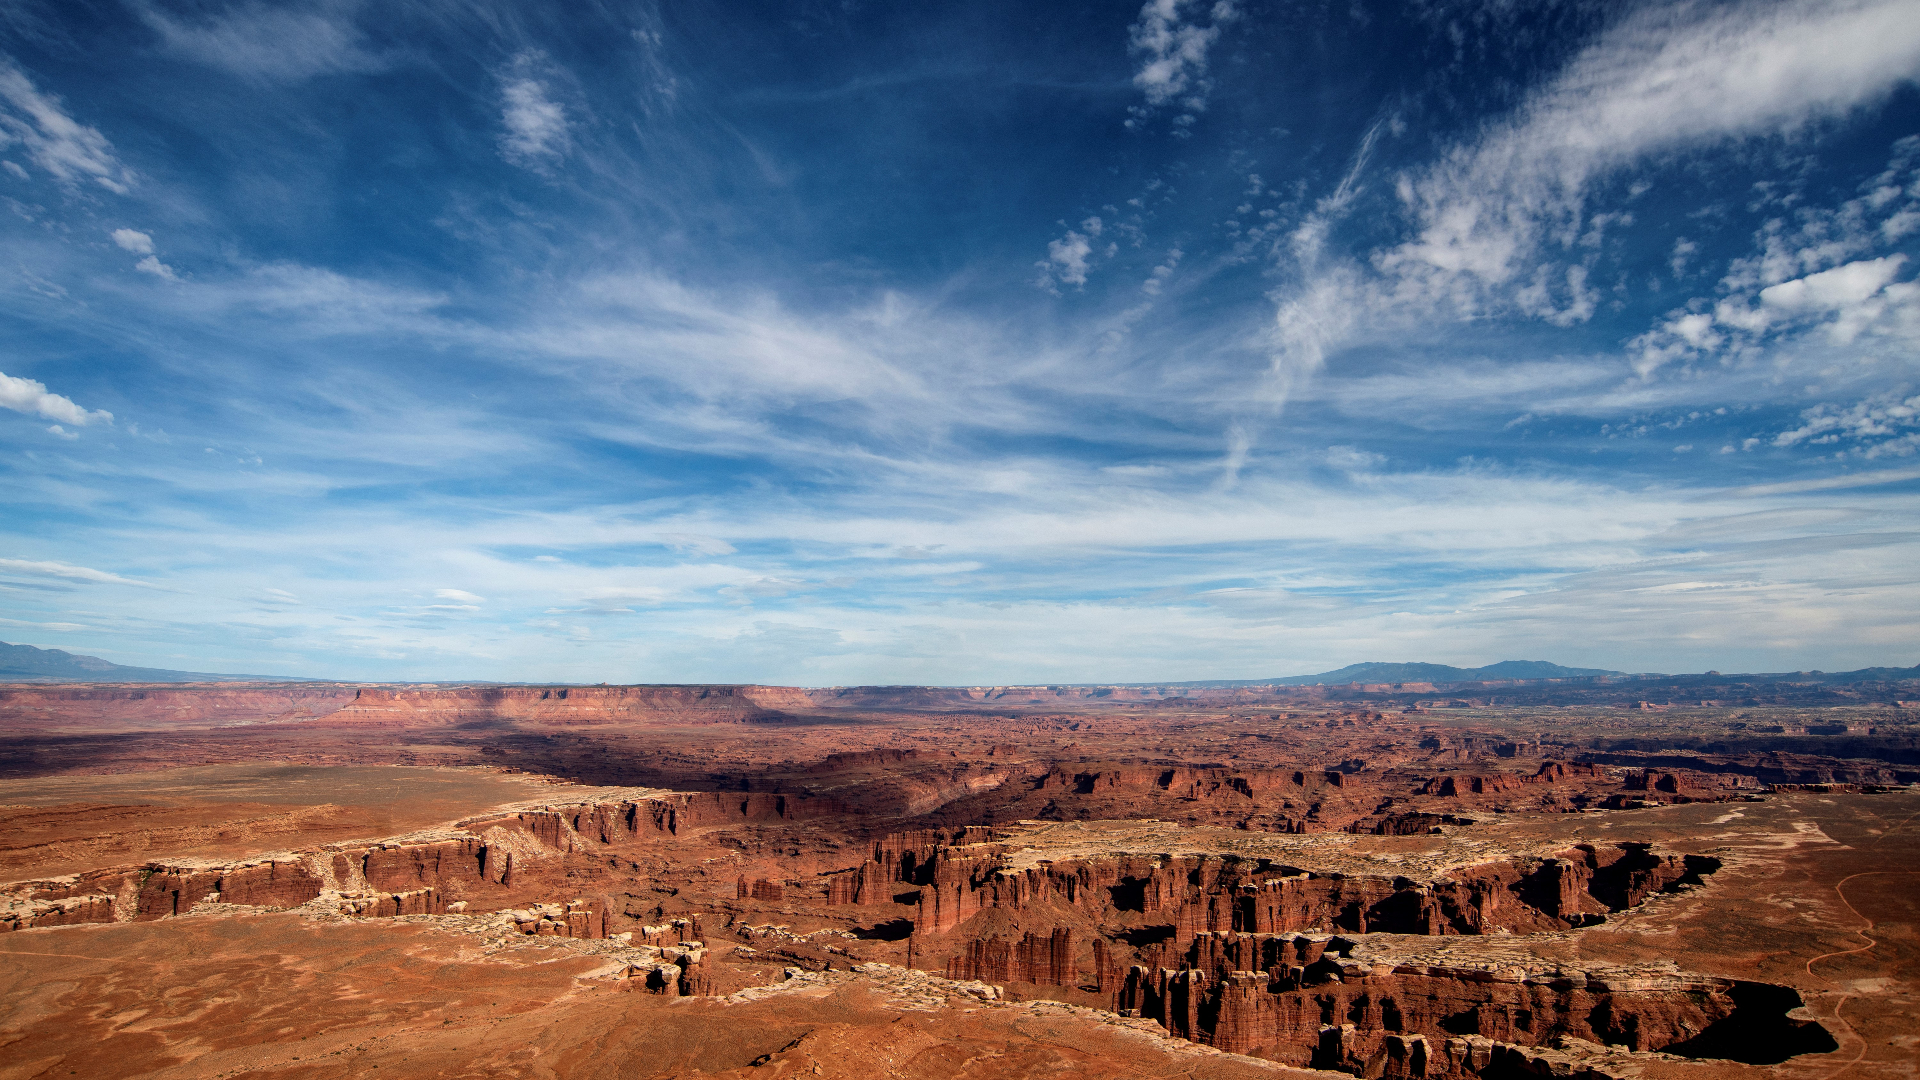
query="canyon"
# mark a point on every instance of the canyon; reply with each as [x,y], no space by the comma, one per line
[224,879]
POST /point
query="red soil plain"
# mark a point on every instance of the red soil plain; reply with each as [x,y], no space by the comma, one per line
[1523,880]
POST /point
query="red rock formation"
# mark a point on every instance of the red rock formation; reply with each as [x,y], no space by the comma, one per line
[428,901]
[1033,959]
[164,704]
[275,883]
[1209,893]
[586,918]
[759,889]
[61,911]
[1327,1003]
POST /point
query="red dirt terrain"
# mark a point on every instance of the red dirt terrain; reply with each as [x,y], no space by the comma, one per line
[328,880]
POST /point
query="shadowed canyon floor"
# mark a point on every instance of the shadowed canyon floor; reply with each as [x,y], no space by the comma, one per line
[322,880]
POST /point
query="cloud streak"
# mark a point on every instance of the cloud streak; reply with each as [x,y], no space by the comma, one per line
[1666,79]
[69,572]
[268,44]
[70,151]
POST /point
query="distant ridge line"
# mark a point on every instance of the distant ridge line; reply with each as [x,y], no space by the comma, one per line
[1375,672]
[25,663]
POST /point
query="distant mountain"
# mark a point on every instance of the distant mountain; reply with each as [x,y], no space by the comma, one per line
[1442,673]
[24,663]
[1863,675]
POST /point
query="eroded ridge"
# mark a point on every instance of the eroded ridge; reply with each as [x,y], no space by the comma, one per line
[1295,948]
[1375,1005]
[1222,939]
[501,856]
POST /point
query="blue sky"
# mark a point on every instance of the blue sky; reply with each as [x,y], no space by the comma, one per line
[854,343]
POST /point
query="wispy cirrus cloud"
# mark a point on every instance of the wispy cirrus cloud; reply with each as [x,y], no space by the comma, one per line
[537,132]
[1665,79]
[69,572]
[70,151]
[268,43]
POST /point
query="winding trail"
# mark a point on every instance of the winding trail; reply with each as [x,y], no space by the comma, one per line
[1839,890]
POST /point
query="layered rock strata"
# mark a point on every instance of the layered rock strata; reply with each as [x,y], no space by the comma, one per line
[496,857]
[1371,1006]
[1259,891]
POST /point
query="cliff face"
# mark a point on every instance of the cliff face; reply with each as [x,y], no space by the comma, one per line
[1042,961]
[557,705]
[1343,1004]
[1236,951]
[1189,895]
[490,860]
[42,706]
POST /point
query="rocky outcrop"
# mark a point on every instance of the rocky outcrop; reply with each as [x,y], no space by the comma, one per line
[760,889]
[428,901]
[1042,961]
[43,706]
[496,858]
[586,918]
[1192,894]
[407,706]
[1350,1004]
[1550,772]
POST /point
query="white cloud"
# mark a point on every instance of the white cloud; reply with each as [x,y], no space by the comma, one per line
[1833,290]
[1667,78]
[766,588]
[1352,459]
[663,85]
[619,599]
[268,43]
[1157,280]
[1831,483]
[1562,304]
[1067,260]
[736,355]
[152,265]
[1071,257]
[63,627]
[1307,327]
[693,543]
[130,240]
[536,125]
[1683,250]
[1804,280]
[1173,48]
[68,572]
[1856,295]
[458,594]
[322,297]
[28,396]
[69,150]
[142,244]
[1887,417]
